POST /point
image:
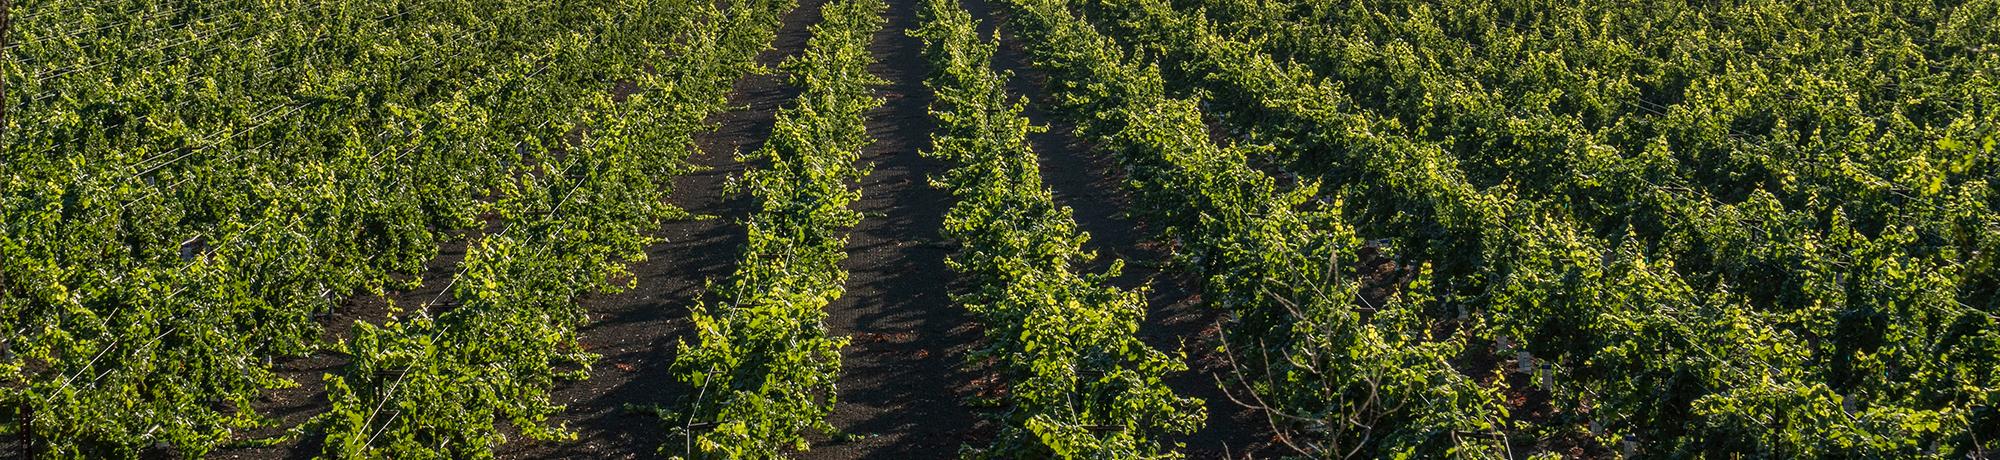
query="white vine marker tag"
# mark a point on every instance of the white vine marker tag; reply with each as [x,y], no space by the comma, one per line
[1526,361]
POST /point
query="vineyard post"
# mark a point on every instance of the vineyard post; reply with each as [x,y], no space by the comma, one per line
[26,425]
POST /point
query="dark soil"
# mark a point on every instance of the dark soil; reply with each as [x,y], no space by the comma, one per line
[902,377]
[638,332]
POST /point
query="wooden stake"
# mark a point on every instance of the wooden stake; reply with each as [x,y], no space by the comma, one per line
[27,425]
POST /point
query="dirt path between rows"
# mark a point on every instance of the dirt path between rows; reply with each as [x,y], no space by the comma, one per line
[637,332]
[902,379]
